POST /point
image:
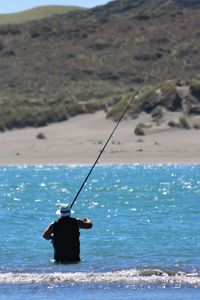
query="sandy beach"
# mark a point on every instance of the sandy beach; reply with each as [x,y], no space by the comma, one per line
[79,140]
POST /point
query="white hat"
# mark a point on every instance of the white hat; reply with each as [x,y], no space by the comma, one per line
[64,211]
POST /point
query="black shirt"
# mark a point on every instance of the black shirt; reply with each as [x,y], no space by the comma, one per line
[66,240]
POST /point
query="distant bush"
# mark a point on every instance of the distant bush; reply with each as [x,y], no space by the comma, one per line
[1,46]
[70,55]
[160,40]
[35,34]
[147,100]
[195,88]
[109,76]
[117,109]
[172,124]
[196,126]
[2,128]
[148,56]
[182,123]
[9,53]
[139,40]
[141,17]
[93,106]
[169,97]
[162,95]
[41,136]
[13,30]
[75,108]
[29,115]
[157,114]
[100,46]
[139,129]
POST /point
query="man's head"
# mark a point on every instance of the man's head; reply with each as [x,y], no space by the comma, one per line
[64,211]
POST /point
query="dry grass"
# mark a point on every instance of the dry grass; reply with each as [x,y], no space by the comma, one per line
[35,14]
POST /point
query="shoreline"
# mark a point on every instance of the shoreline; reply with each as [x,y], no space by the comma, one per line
[98,165]
[79,140]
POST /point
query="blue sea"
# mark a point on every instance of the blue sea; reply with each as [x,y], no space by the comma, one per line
[144,244]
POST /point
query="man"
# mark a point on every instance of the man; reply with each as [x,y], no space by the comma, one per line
[64,234]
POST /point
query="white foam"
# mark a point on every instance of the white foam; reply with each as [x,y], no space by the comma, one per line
[131,276]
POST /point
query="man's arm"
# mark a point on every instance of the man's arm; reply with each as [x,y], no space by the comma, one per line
[48,234]
[85,223]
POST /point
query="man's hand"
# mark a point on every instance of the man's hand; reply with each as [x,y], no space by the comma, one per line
[85,223]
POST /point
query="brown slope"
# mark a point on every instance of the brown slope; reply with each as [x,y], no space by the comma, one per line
[81,61]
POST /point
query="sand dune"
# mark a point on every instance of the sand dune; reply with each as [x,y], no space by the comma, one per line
[79,140]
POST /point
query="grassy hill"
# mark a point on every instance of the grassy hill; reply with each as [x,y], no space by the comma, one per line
[81,61]
[35,14]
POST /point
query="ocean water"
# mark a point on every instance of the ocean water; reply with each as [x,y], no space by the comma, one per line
[145,242]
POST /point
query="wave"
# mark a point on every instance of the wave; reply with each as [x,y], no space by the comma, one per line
[131,276]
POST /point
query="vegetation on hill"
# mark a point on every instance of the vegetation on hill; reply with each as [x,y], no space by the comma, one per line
[81,61]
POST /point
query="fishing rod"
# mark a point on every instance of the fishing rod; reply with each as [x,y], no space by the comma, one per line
[106,143]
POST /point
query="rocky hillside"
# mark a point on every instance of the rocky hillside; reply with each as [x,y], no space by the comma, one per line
[82,61]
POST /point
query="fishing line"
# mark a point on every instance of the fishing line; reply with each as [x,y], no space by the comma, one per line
[106,143]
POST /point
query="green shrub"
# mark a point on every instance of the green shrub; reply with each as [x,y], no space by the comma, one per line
[196,126]
[2,128]
[1,46]
[116,112]
[169,97]
[183,123]
[148,56]
[41,136]
[157,114]
[139,129]
[93,106]
[195,88]
[147,100]
[172,124]
[9,29]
